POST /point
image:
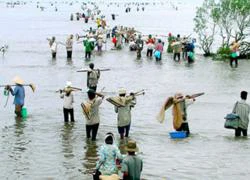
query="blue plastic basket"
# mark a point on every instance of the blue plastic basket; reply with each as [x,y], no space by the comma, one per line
[178,134]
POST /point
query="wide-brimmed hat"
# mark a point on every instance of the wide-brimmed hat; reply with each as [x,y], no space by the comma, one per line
[18,80]
[122,91]
[131,146]
[112,177]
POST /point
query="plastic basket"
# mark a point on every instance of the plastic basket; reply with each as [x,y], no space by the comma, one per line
[178,134]
[24,112]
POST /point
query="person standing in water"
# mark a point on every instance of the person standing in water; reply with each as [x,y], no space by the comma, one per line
[242,109]
[124,113]
[91,112]
[19,93]
[53,46]
[67,96]
[93,77]
[69,46]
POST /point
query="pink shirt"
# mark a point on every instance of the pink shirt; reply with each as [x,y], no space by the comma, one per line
[159,47]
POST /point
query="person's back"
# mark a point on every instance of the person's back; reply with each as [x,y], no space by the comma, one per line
[243,110]
[133,165]
[19,94]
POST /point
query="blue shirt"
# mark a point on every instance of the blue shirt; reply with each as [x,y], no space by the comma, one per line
[19,94]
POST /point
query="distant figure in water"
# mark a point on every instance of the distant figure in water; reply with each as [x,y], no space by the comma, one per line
[69,46]
[53,46]
[242,109]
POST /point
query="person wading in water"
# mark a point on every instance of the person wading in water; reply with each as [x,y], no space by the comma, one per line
[93,77]
[19,93]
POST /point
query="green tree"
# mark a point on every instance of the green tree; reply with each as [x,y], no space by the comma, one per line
[205,25]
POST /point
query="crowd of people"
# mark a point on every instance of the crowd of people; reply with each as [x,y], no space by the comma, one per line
[111,162]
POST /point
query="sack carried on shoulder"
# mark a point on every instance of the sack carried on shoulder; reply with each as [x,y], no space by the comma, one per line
[232,121]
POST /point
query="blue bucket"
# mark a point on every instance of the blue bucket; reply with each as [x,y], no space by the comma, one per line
[178,134]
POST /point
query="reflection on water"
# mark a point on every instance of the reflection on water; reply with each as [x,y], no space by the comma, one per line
[90,157]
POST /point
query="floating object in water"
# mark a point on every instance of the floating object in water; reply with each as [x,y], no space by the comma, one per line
[178,134]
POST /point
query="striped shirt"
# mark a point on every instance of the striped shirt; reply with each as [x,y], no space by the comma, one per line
[242,109]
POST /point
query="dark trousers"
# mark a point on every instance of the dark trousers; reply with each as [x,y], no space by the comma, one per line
[54,55]
[66,113]
[69,54]
[87,55]
[18,110]
[177,55]
[235,60]
[93,88]
[239,130]
[184,127]
[149,52]
[92,129]
[123,129]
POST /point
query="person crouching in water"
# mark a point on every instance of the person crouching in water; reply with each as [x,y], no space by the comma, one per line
[91,112]
[124,113]
[108,153]
[53,46]
[19,93]
[69,46]
[68,97]
[183,102]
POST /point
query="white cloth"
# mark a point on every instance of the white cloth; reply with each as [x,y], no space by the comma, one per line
[53,47]
[94,111]
[68,100]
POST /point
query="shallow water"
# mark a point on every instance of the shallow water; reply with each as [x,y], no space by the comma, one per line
[42,147]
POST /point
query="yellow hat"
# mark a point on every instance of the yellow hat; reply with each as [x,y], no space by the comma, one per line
[18,80]
[131,146]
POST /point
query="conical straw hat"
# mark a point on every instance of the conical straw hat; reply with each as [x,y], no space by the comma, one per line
[18,80]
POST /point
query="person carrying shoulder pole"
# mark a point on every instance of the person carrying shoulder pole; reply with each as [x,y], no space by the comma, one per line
[19,93]
[67,96]
[91,112]
[124,113]
[93,77]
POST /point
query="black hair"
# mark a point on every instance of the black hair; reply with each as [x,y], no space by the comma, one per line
[122,95]
[91,65]
[243,95]
[91,95]
[109,139]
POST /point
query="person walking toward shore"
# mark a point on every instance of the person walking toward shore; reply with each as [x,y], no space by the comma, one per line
[242,109]
[91,112]
[67,96]
[69,46]
[19,93]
